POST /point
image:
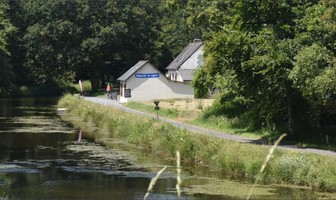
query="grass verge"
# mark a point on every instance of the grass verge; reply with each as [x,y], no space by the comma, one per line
[170,112]
[231,158]
[215,123]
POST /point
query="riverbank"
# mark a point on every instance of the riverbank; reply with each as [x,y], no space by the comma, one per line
[230,158]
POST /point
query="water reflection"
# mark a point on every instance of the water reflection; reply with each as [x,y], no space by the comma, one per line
[42,157]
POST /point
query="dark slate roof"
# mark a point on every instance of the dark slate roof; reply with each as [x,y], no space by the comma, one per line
[132,70]
[184,55]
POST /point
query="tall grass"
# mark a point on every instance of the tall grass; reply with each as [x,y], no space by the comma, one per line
[153,182]
[170,112]
[231,158]
[178,172]
[263,167]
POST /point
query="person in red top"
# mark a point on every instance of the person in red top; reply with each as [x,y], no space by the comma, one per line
[108,89]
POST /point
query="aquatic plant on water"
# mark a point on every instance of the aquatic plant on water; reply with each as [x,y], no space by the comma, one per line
[230,158]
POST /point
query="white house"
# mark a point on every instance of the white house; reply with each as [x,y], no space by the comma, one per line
[182,68]
[143,82]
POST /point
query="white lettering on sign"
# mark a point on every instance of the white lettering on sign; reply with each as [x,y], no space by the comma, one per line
[148,75]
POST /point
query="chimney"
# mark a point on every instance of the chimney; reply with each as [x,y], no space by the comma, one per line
[197,40]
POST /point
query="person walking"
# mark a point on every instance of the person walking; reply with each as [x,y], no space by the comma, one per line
[108,89]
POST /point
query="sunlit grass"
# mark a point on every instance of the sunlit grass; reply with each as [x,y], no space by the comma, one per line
[170,113]
[264,165]
[215,123]
[228,126]
[231,158]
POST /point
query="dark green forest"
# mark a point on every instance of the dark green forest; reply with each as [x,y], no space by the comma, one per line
[272,63]
[51,43]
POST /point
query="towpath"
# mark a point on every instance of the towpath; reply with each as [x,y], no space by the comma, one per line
[219,134]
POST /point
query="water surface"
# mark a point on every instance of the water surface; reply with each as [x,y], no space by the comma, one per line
[43,157]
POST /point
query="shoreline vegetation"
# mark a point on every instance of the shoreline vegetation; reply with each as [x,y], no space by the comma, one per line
[230,158]
[192,112]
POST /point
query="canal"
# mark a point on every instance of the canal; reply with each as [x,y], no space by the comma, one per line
[43,157]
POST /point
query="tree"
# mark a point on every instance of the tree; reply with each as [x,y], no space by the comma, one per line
[172,30]
[314,66]
[273,97]
[250,60]
[96,40]
[52,40]
[18,18]
[207,16]
[134,23]
[314,76]
[6,29]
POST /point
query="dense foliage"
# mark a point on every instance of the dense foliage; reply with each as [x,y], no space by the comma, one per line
[6,71]
[273,65]
[271,62]
[48,43]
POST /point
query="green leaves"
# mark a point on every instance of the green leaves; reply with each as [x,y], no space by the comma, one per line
[319,24]
[52,40]
[64,39]
[6,29]
[262,57]
[313,74]
[273,55]
[201,83]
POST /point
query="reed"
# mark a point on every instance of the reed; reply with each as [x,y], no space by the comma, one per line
[80,135]
[153,182]
[178,172]
[159,139]
[268,158]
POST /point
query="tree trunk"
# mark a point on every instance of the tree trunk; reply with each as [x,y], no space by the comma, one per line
[102,81]
[290,120]
[290,111]
[94,84]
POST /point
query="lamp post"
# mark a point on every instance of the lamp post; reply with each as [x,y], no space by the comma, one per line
[157,108]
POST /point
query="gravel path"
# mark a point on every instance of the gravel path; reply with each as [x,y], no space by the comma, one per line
[219,134]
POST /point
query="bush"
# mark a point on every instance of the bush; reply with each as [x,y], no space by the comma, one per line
[85,84]
[291,168]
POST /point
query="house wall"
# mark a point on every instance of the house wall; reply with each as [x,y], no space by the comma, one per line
[193,62]
[147,89]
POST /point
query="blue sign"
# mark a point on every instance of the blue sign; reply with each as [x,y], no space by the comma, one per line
[147,75]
